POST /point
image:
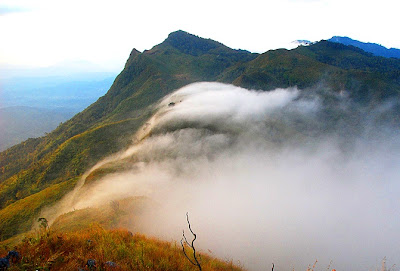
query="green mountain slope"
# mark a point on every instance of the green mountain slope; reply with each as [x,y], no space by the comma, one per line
[146,78]
[338,67]
[108,125]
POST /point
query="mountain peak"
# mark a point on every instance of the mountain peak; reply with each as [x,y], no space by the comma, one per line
[190,44]
[180,34]
[374,48]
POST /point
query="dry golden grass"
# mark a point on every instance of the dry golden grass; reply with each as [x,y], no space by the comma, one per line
[54,250]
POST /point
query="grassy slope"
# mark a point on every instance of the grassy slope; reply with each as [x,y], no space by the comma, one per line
[108,125]
[65,245]
[19,216]
[71,159]
[53,250]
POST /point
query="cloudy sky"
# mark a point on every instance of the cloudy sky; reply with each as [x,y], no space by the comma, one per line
[44,32]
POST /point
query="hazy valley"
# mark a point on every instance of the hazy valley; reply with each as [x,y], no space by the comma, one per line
[33,106]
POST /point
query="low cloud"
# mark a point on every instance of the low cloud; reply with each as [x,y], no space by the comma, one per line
[285,176]
[6,10]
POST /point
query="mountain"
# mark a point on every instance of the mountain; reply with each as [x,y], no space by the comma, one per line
[38,172]
[373,48]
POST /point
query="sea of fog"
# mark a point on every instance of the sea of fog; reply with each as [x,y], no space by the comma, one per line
[287,176]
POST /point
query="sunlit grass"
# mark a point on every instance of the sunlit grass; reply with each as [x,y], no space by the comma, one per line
[55,250]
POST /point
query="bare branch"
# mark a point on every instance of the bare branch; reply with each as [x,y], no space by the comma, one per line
[184,242]
[184,252]
[190,228]
[184,237]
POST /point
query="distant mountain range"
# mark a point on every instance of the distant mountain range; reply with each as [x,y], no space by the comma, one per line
[33,106]
[373,48]
[18,123]
[62,93]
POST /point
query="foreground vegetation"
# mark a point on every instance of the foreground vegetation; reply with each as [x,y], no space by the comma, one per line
[97,233]
[118,249]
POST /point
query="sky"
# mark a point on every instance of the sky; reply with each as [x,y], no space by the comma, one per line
[40,33]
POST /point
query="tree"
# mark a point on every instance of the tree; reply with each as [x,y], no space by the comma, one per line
[44,224]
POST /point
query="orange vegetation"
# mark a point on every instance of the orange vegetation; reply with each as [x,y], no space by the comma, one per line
[52,250]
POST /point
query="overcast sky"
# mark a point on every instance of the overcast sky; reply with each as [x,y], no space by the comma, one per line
[46,32]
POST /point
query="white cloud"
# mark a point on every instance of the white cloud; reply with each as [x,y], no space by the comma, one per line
[266,177]
[104,31]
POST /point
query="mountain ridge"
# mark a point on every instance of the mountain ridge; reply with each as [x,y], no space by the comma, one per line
[190,44]
[107,126]
[373,48]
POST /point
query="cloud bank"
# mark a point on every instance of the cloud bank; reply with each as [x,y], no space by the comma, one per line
[285,176]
